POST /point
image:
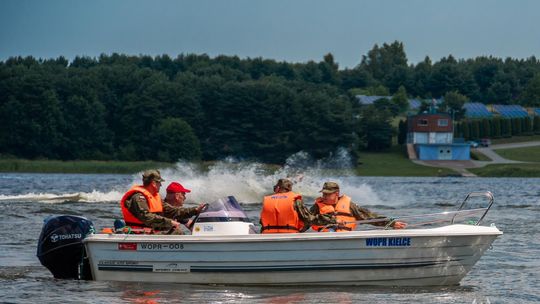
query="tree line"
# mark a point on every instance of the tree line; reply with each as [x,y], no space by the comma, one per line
[196,107]
[497,127]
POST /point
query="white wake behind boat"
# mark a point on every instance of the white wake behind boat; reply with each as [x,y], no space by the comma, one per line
[224,249]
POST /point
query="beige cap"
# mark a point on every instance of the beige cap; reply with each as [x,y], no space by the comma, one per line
[152,175]
[330,187]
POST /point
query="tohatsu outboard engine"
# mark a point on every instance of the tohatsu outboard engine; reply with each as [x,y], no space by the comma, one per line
[61,249]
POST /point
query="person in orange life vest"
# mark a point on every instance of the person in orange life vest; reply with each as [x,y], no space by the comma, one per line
[284,211]
[345,211]
[173,204]
[142,206]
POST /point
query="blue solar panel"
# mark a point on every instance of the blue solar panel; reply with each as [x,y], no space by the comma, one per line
[537,111]
[510,111]
[367,100]
[476,110]
[414,104]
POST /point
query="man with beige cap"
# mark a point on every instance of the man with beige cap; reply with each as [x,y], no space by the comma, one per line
[142,207]
[345,211]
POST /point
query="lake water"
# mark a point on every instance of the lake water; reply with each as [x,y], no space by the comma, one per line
[507,273]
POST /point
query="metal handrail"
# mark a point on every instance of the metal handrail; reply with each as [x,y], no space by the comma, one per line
[447,213]
[486,194]
[455,213]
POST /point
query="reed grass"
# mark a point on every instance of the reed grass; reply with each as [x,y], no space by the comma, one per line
[79,166]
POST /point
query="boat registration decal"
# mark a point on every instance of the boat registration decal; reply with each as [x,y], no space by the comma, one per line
[171,267]
[388,242]
[117,262]
[160,246]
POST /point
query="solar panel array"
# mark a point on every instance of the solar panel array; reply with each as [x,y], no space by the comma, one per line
[537,111]
[476,110]
[510,111]
[367,100]
[414,104]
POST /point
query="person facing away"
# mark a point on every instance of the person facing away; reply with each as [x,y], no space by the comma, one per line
[284,211]
[173,204]
[345,211]
[142,206]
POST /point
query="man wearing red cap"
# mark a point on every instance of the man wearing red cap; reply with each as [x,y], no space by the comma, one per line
[174,202]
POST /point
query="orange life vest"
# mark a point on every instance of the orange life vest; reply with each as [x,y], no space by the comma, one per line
[278,214]
[154,205]
[342,212]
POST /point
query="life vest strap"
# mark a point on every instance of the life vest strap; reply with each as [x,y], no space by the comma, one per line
[288,227]
[340,227]
[136,228]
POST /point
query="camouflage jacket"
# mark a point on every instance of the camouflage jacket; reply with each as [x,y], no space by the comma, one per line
[359,214]
[179,214]
[138,206]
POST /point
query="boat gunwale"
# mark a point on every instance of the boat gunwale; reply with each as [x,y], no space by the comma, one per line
[445,231]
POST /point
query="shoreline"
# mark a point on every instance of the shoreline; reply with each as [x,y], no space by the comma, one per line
[389,164]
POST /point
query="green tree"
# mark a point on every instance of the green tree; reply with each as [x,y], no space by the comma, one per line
[375,129]
[401,100]
[85,130]
[475,129]
[527,125]
[329,70]
[536,123]
[531,94]
[387,64]
[486,128]
[496,127]
[453,103]
[467,129]
[506,127]
[402,132]
[516,126]
[324,123]
[448,75]
[175,140]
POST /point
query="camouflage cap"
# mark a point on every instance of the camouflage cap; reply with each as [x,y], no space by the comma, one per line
[152,175]
[284,184]
[330,187]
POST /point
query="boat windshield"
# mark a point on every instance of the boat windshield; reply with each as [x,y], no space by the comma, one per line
[225,209]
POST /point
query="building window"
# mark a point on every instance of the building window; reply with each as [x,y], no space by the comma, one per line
[422,122]
[442,122]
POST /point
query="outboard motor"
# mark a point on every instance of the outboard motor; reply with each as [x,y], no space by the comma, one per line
[60,246]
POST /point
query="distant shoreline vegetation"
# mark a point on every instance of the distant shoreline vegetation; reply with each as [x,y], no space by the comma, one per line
[84,166]
[194,107]
[390,163]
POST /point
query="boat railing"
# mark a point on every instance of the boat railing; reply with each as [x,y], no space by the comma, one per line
[486,194]
[440,217]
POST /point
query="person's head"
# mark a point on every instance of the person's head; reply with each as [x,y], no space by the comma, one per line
[283,185]
[176,194]
[152,180]
[330,192]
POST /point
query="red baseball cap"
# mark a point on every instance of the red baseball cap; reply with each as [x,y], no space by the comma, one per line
[175,187]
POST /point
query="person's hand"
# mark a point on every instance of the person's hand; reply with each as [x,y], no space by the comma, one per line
[200,207]
[175,224]
[399,225]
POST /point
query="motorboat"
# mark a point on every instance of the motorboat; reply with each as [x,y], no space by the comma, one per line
[225,248]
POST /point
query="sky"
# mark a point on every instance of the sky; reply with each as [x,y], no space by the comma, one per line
[283,30]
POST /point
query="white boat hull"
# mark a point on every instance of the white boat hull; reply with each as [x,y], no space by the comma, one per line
[409,257]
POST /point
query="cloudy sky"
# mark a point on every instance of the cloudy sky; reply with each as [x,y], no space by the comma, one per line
[289,30]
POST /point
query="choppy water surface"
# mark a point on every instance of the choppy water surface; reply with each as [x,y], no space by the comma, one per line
[508,273]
